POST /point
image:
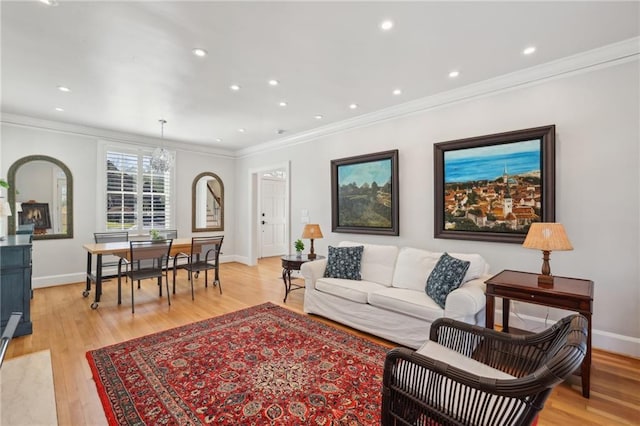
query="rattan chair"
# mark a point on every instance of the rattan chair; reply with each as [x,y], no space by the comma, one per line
[420,390]
[147,259]
[205,255]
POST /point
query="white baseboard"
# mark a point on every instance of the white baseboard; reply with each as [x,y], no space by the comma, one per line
[76,277]
[605,340]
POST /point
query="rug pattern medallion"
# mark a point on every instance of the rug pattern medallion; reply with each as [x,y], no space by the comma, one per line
[263,365]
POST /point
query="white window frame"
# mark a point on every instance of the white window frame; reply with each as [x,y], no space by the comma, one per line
[101,187]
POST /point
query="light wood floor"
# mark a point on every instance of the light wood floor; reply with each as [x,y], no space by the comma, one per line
[64,323]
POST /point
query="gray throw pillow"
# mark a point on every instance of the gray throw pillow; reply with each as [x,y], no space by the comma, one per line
[445,277]
[344,262]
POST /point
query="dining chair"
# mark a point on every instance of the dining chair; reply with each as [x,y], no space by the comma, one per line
[110,237]
[204,255]
[146,259]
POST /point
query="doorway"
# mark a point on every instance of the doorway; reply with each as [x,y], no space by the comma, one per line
[269,203]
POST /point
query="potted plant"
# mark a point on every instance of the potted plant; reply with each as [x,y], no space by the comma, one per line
[299,245]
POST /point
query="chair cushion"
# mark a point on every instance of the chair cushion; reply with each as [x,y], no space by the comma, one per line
[445,277]
[344,262]
[438,352]
[378,261]
[410,302]
[356,291]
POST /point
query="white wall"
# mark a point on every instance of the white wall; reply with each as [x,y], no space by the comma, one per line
[64,261]
[596,115]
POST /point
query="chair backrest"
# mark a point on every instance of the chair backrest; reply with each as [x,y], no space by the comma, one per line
[110,237]
[26,228]
[152,254]
[206,249]
[169,233]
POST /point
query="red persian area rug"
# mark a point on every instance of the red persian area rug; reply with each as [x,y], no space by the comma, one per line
[263,365]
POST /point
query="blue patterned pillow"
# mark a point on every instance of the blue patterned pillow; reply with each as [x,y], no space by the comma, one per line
[344,262]
[445,277]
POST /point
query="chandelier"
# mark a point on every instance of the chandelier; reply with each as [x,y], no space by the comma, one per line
[161,159]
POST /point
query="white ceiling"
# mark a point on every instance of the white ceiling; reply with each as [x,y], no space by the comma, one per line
[128,64]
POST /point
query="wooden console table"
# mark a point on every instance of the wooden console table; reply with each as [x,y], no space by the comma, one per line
[567,293]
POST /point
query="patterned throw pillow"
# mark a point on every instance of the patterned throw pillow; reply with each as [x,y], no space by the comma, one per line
[445,277]
[344,262]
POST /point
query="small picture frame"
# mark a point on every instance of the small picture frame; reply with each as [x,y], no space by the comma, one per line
[491,188]
[36,214]
[365,194]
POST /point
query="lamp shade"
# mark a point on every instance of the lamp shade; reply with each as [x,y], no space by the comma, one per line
[312,231]
[547,237]
[5,209]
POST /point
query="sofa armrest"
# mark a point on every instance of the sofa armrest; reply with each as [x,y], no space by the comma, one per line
[467,300]
[311,271]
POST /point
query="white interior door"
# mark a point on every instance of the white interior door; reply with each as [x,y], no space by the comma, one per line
[273,221]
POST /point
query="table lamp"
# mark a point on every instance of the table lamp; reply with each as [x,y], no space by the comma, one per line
[5,211]
[547,237]
[311,231]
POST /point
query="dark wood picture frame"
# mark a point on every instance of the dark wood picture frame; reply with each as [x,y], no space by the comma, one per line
[37,214]
[481,200]
[378,202]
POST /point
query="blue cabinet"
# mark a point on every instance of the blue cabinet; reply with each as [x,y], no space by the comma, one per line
[15,281]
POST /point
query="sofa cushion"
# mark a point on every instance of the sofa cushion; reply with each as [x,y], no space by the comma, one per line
[405,301]
[445,277]
[378,261]
[477,267]
[413,267]
[344,262]
[356,291]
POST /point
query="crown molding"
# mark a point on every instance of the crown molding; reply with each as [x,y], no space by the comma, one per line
[103,134]
[610,55]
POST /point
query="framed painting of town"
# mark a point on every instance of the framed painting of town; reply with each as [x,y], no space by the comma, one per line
[491,188]
[364,194]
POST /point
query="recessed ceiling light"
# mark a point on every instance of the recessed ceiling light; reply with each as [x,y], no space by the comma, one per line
[49,2]
[353,106]
[241,130]
[529,50]
[199,52]
[386,25]
[283,104]
[454,74]
[234,87]
[318,117]
[397,92]
[273,82]
[59,109]
[218,140]
[64,89]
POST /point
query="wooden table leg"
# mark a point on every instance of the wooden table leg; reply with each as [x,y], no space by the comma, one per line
[505,314]
[490,312]
[586,363]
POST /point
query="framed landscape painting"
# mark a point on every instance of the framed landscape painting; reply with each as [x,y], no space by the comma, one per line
[491,188]
[364,194]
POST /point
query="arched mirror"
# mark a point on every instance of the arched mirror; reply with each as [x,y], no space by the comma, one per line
[41,195]
[207,206]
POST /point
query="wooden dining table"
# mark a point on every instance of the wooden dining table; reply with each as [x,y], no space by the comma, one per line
[120,249]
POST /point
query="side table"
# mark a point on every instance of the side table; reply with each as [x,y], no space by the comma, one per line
[572,294]
[290,263]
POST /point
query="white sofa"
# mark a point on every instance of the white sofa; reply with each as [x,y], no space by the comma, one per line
[390,301]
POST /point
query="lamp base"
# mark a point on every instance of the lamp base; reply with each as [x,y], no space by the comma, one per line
[545,281]
[311,256]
